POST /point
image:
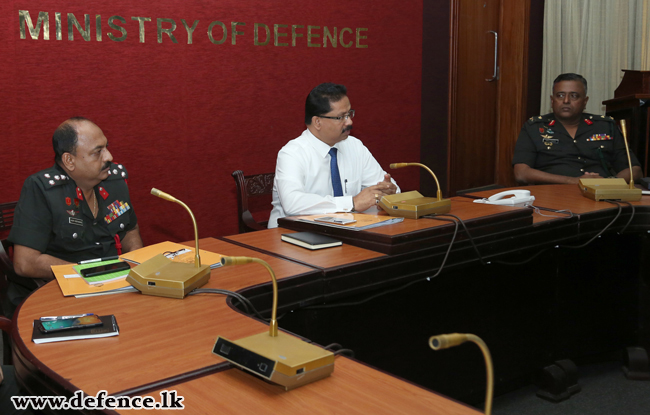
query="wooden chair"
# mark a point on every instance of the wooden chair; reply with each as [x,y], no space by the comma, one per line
[6,218]
[255,189]
[6,308]
[7,215]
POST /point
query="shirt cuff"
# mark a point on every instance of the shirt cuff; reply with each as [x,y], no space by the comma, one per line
[344,203]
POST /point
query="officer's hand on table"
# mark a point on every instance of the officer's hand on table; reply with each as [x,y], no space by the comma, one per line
[387,186]
[587,175]
[369,196]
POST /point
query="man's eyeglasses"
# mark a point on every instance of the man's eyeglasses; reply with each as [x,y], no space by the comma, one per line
[346,116]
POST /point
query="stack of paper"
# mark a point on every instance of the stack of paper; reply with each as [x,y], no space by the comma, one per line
[71,283]
[175,252]
[357,221]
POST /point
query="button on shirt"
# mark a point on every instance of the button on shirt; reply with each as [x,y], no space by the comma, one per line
[598,147]
[303,184]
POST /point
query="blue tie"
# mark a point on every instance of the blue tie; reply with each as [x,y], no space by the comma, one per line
[336,177]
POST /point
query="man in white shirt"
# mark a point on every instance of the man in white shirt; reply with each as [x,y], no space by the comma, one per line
[326,170]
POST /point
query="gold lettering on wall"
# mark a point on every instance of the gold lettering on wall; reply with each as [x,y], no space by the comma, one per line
[256,34]
[345,29]
[311,35]
[277,34]
[294,35]
[316,36]
[98,27]
[25,20]
[113,25]
[190,30]
[141,21]
[359,37]
[223,29]
[167,31]
[57,26]
[328,35]
[83,31]
[233,29]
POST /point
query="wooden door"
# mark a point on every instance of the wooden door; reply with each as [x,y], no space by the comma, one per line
[474,93]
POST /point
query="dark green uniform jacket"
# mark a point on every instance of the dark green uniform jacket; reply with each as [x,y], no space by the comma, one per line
[53,217]
[544,144]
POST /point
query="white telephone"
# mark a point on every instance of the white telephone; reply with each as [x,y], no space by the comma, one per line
[519,197]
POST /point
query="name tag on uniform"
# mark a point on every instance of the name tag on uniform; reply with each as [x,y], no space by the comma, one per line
[76,221]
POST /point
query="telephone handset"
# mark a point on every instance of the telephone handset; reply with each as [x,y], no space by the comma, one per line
[518,197]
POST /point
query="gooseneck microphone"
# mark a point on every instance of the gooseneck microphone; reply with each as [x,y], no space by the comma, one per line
[276,356]
[612,188]
[238,260]
[160,276]
[400,165]
[445,341]
[627,151]
[412,204]
[167,196]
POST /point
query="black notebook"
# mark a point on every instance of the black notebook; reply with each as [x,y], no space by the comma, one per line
[310,240]
[107,329]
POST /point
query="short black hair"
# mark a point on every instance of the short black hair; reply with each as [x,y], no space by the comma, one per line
[64,139]
[319,99]
[571,77]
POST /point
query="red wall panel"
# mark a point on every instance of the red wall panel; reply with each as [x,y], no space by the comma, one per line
[181,117]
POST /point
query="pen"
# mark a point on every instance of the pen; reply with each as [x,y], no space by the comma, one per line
[88,261]
[53,318]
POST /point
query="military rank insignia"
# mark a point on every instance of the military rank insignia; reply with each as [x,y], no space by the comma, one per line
[546,133]
[115,210]
[549,141]
[600,137]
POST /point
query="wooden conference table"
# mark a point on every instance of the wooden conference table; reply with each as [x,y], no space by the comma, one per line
[165,344]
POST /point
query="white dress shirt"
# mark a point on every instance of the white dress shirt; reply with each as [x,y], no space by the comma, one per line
[303,184]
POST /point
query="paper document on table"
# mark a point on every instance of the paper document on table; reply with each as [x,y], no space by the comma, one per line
[356,221]
[72,284]
[175,252]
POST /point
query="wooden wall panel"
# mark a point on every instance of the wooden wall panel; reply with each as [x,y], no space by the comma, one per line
[513,85]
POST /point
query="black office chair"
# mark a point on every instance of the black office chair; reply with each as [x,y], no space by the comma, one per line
[254,193]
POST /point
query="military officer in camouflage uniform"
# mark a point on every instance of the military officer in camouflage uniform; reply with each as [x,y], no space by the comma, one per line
[568,144]
[78,209]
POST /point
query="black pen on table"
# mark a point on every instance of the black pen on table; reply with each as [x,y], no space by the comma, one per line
[88,261]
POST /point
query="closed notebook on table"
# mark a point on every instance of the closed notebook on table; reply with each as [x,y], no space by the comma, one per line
[310,240]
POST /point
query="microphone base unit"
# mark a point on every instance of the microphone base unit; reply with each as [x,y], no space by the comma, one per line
[163,277]
[413,205]
[609,189]
[283,360]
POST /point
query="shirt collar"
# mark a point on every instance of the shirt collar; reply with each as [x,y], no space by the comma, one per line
[321,148]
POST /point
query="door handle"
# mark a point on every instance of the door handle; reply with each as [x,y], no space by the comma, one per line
[495,74]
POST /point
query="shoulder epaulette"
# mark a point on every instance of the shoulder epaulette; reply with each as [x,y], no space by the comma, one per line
[117,172]
[52,177]
[538,119]
[593,117]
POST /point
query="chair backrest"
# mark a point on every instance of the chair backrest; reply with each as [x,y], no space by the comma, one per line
[6,269]
[6,308]
[7,215]
[251,189]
